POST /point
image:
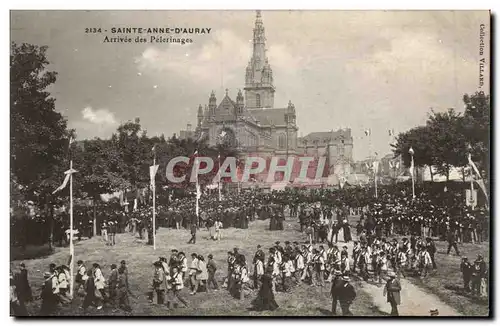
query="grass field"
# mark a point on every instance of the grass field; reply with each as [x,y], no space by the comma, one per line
[302,301]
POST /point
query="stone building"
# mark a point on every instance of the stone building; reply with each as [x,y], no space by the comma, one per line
[252,124]
[337,146]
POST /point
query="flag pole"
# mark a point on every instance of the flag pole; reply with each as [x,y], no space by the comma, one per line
[412,175]
[472,190]
[197,192]
[154,200]
[375,172]
[218,185]
[71,247]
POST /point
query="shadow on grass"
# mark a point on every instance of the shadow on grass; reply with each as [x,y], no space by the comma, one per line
[324,312]
[377,311]
[30,252]
[460,291]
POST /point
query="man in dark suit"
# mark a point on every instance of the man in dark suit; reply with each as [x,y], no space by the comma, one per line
[193,234]
[452,242]
[337,284]
[431,248]
[346,296]
[392,290]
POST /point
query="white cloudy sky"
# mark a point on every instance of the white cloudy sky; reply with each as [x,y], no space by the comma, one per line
[364,69]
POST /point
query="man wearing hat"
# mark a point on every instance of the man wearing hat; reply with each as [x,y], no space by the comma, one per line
[337,284]
[211,268]
[288,248]
[174,260]
[49,294]
[466,269]
[278,247]
[113,284]
[392,289]
[22,284]
[218,229]
[479,271]
[452,241]
[81,276]
[193,233]
[112,232]
[259,254]
[346,296]
[158,284]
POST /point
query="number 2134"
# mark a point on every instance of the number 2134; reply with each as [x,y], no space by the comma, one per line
[92,30]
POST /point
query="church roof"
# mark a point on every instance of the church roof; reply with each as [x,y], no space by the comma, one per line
[318,135]
[226,109]
[269,116]
[322,135]
[227,102]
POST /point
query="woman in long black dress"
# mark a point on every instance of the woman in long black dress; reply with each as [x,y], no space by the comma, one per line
[265,298]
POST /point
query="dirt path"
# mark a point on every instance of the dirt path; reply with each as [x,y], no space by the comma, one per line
[414,301]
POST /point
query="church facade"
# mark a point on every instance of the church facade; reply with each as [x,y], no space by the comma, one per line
[251,123]
[255,127]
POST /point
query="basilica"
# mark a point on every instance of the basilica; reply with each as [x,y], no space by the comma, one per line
[255,127]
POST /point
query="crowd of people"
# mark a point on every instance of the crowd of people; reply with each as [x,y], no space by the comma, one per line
[395,239]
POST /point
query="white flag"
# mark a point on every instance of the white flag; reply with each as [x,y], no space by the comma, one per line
[375,167]
[412,167]
[480,181]
[198,191]
[65,182]
[152,173]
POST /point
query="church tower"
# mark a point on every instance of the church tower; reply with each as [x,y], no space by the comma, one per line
[259,88]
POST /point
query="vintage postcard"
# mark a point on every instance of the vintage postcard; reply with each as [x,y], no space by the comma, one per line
[250,163]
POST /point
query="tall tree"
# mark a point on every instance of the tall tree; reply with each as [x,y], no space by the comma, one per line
[92,160]
[448,141]
[39,137]
[477,128]
[39,134]
[418,138]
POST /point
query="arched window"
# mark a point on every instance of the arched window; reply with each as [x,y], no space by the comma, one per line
[282,141]
[257,100]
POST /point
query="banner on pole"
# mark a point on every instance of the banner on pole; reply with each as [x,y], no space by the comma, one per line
[480,180]
[152,173]
[471,197]
[66,179]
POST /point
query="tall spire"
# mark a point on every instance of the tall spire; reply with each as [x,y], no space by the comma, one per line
[259,88]
[259,42]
